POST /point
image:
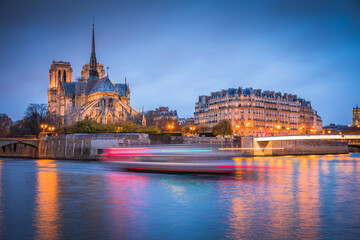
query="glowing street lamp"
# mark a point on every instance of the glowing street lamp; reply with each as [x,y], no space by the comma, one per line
[170,127]
[51,129]
[43,126]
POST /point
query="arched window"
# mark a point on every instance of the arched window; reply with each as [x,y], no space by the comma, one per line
[64,76]
[111,103]
[59,76]
[103,103]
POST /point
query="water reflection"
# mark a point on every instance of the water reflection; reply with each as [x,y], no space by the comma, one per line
[293,197]
[126,193]
[47,210]
[1,201]
[286,195]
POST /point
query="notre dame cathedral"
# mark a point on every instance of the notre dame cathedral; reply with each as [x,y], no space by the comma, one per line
[93,96]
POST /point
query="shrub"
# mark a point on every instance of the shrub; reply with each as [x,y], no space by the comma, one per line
[88,126]
[223,128]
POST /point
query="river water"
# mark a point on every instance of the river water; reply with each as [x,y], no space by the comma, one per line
[312,197]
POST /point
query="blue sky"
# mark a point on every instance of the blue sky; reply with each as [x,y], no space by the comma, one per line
[173,51]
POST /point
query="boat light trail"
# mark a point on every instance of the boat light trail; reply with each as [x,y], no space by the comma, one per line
[231,149]
[182,151]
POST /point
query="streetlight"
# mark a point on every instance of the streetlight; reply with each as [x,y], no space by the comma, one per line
[43,126]
[170,127]
[51,129]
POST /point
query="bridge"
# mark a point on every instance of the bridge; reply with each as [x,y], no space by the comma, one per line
[342,137]
[13,147]
[8,141]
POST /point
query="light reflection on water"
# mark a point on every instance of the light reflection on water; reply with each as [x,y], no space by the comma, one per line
[47,202]
[126,199]
[311,197]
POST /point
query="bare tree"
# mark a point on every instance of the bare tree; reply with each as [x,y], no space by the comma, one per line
[35,114]
[5,124]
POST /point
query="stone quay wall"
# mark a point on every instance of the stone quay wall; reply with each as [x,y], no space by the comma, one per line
[91,146]
[298,147]
[87,146]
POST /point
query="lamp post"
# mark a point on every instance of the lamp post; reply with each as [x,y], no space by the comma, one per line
[237,127]
[43,126]
[170,127]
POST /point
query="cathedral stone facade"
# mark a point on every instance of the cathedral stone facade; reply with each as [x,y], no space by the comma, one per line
[93,96]
[356,116]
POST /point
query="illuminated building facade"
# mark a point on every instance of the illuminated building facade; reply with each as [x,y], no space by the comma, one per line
[356,116]
[93,96]
[253,112]
[162,118]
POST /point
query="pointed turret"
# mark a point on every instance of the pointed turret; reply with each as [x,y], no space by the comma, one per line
[93,63]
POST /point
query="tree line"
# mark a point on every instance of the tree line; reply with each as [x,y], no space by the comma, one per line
[36,114]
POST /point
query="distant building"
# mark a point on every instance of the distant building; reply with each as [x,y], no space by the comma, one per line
[343,129]
[253,112]
[186,121]
[334,128]
[356,116]
[93,96]
[163,119]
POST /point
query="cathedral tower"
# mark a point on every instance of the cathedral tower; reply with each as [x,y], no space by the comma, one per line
[59,74]
[356,116]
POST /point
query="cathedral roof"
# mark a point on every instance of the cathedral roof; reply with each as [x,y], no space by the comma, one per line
[103,85]
[121,88]
[69,88]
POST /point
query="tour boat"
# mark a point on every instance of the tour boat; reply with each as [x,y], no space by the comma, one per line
[168,159]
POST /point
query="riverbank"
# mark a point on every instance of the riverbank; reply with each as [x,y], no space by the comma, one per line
[91,146]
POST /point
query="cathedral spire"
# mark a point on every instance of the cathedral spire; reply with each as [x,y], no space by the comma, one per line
[93,63]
